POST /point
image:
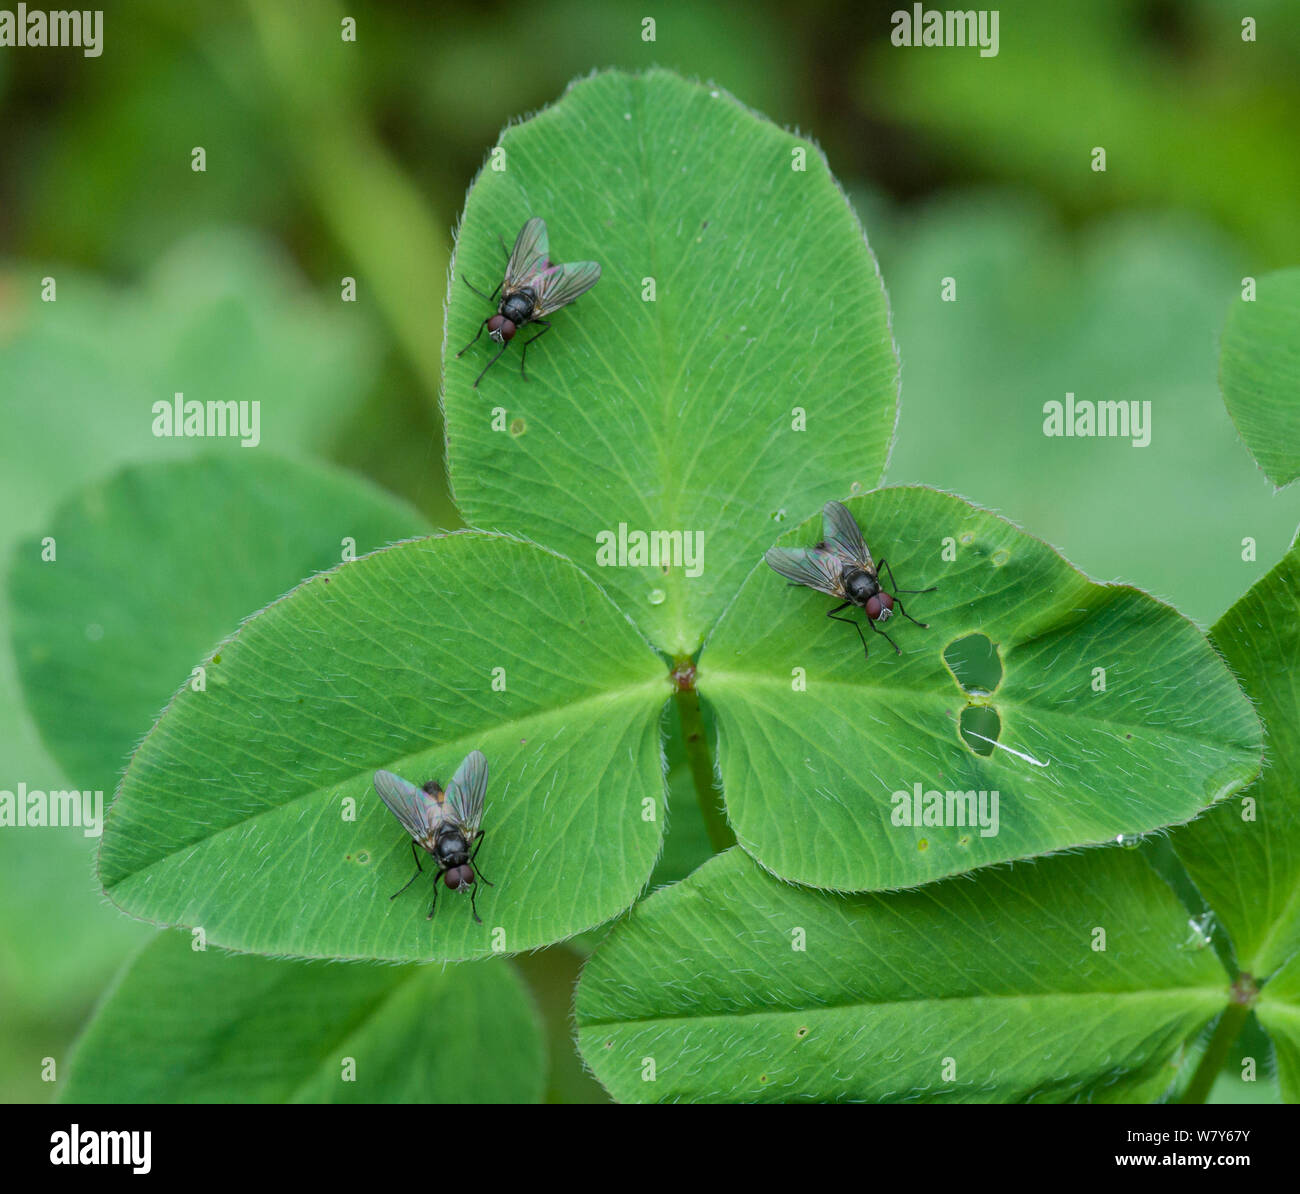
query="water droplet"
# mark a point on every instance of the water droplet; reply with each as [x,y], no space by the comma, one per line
[657,596]
[855,487]
[1000,557]
[1129,841]
[968,537]
[778,515]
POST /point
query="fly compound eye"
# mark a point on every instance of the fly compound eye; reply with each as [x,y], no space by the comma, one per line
[884,606]
[507,330]
[494,324]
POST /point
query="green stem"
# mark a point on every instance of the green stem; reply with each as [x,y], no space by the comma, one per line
[700,762]
[1226,1031]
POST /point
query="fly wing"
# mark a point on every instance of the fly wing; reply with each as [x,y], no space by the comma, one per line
[844,537]
[558,286]
[529,256]
[419,813]
[807,566]
[466,791]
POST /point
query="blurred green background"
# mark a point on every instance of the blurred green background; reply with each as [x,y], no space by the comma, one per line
[328,159]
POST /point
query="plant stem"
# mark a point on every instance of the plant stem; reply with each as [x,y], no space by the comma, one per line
[698,758]
[1226,1031]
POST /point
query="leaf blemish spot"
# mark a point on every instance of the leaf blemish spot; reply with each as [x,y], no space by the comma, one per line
[518,427]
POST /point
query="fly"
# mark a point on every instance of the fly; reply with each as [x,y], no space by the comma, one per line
[841,566]
[443,823]
[532,289]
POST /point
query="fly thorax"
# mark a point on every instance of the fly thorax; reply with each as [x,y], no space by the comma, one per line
[452,849]
[518,307]
[860,585]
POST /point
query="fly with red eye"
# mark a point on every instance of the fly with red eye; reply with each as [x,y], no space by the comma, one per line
[532,289]
[444,823]
[841,566]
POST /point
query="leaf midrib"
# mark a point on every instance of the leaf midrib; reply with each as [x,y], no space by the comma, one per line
[1217,994]
[603,697]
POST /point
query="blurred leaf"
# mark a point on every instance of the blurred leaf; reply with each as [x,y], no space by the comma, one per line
[1279,1012]
[677,414]
[1126,311]
[236,813]
[809,775]
[222,536]
[741,988]
[375,213]
[109,178]
[220,316]
[187,1026]
[1260,373]
[1210,130]
[1245,855]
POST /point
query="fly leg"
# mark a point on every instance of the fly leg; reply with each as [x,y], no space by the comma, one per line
[546,327]
[477,291]
[471,344]
[473,857]
[493,361]
[896,590]
[433,907]
[889,640]
[834,616]
[472,906]
[419,870]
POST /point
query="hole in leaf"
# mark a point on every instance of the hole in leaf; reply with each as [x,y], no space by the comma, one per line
[982,720]
[974,663]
